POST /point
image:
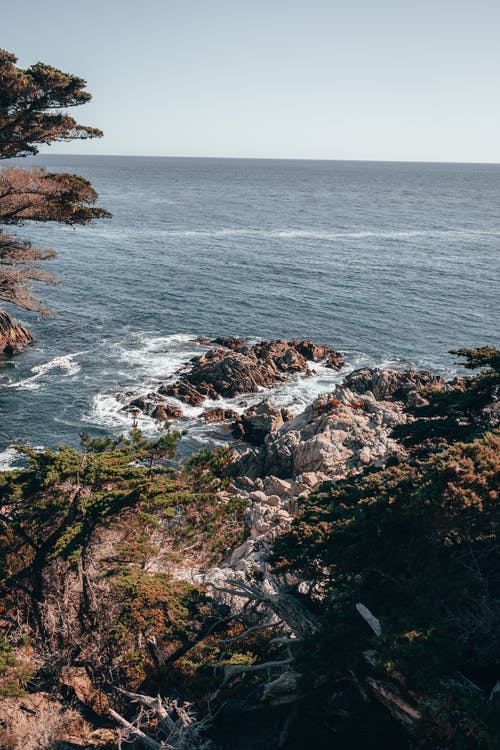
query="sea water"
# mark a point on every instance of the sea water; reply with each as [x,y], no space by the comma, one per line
[392,263]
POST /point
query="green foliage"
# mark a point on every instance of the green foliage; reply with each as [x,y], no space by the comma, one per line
[418,545]
[462,412]
[14,672]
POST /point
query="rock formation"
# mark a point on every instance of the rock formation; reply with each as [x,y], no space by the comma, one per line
[394,385]
[258,421]
[234,368]
[13,336]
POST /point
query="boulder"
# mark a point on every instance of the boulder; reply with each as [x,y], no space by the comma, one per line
[165,411]
[218,414]
[330,438]
[276,486]
[392,385]
[315,353]
[229,342]
[154,405]
[258,421]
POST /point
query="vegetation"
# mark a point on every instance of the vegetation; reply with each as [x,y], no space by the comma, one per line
[382,620]
[90,543]
[404,566]
[33,104]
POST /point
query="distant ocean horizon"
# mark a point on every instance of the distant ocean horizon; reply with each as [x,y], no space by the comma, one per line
[393,263]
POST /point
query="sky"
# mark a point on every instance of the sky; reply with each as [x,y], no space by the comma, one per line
[310,79]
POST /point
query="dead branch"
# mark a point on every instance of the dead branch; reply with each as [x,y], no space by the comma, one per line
[138,734]
[289,607]
[232,670]
[369,618]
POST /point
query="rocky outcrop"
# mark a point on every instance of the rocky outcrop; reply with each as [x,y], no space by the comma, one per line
[13,336]
[393,385]
[258,421]
[333,436]
[154,405]
[229,342]
[212,416]
[234,368]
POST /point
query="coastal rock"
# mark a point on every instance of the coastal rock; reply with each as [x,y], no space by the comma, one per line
[276,486]
[212,416]
[13,336]
[229,342]
[234,369]
[165,411]
[184,392]
[334,435]
[392,385]
[154,405]
[258,421]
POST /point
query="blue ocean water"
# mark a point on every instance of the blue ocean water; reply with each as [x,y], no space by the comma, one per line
[386,261]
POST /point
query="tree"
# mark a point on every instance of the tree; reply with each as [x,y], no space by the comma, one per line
[32,112]
[463,411]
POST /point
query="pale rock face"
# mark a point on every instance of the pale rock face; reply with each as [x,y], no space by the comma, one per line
[275,486]
[273,500]
[333,437]
[338,434]
[258,496]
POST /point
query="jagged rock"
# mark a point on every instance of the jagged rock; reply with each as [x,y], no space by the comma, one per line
[13,336]
[272,500]
[246,482]
[276,486]
[392,385]
[218,414]
[184,392]
[258,496]
[258,421]
[165,411]
[154,405]
[229,342]
[235,369]
[312,351]
[334,361]
[331,437]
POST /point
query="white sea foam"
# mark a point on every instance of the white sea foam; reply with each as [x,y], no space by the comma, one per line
[295,394]
[10,459]
[327,236]
[66,363]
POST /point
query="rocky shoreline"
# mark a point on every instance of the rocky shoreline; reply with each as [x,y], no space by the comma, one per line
[279,458]
[274,461]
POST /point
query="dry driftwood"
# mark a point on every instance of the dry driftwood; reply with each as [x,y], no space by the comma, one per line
[173,722]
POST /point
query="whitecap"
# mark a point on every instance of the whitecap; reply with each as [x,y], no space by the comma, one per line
[323,235]
[10,459]
[65,362]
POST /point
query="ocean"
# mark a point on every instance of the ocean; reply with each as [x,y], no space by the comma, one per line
[392,263]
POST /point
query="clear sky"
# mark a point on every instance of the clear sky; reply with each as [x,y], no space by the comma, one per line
[325,79]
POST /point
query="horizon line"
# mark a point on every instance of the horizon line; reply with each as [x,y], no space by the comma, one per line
[265,158]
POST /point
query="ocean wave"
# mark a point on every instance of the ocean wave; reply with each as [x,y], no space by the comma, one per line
[322,235]
[65,362]
[11,458]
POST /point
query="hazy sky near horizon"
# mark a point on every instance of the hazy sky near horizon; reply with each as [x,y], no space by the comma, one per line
[317,79]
